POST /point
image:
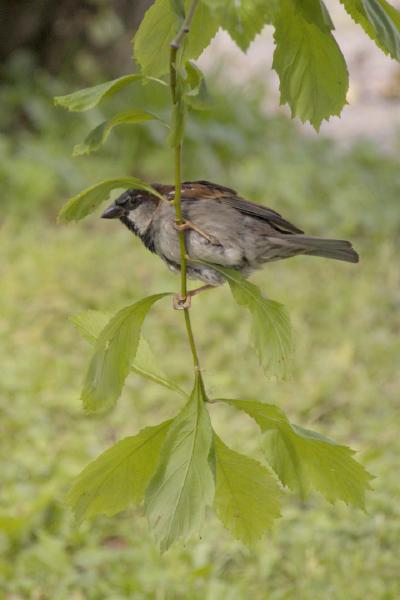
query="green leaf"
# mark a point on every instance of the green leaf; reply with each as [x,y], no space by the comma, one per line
[311,68]
[183,484]
[99,134]
[247,497]
[114,351]
[91,322]
[119,476]
[146,366]
[305,460]
[196,95]
[380,20]
[84,203]
[203,29]
[271,331]
[178,8]
[315,11]
[90,97]
[242,19]
[151,44]
[158,29]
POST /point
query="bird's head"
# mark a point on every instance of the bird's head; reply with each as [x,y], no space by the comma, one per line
[134,208]
[125,203]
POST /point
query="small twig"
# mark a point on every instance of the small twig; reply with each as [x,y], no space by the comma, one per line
[184,30]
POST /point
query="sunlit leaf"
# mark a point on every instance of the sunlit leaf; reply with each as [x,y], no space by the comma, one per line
[203,29]
[271,331]
[315,11]
[244,19]
[80,206]
[380,20]
[196,95]
[90,97]
[246,494]
[183,485]
[91,322]
[311,68]
[119,476]
[305,460]
[114,352]
[158,29]
[99,134]
[151,44]
[178,7]
[145,365]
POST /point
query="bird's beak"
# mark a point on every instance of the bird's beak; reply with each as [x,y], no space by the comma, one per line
[112,212]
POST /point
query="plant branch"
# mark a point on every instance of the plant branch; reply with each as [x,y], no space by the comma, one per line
[184,30]
[176,100]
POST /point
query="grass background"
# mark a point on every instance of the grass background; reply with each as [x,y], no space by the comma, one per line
[344,383]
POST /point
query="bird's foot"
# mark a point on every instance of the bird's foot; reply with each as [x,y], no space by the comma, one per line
[198,290]
[181,303]
[189,225]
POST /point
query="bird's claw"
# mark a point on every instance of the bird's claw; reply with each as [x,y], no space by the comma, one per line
[180,303]
[189,225]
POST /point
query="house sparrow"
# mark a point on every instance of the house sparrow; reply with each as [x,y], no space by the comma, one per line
[220,227]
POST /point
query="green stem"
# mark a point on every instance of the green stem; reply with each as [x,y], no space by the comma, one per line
[192,343]
[184,30]
[175,47]
[179,219]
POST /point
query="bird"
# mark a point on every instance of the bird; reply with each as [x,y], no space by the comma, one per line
[220,227]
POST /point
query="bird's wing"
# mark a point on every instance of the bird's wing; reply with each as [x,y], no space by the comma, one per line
[262,212]
[205,189]
[228,196]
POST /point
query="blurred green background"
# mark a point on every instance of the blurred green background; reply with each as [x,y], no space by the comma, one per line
[345,379]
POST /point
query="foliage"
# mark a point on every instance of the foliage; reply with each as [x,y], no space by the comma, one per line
[35,170]
[119,476]
[90,324]
[244,20]
[313,81]
[114,351]
[88,200]
[247,497]
[90,97]
[183,485]
[350,394]
[159,27]
[304,459]
[271,330]
[312,71]
[99,134]
[380,21]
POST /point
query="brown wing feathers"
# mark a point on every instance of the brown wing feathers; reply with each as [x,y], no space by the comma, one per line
[206,189]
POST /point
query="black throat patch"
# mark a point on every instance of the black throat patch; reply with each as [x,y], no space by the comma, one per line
[147,237]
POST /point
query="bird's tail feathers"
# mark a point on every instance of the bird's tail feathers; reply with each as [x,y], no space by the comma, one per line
[336,249]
